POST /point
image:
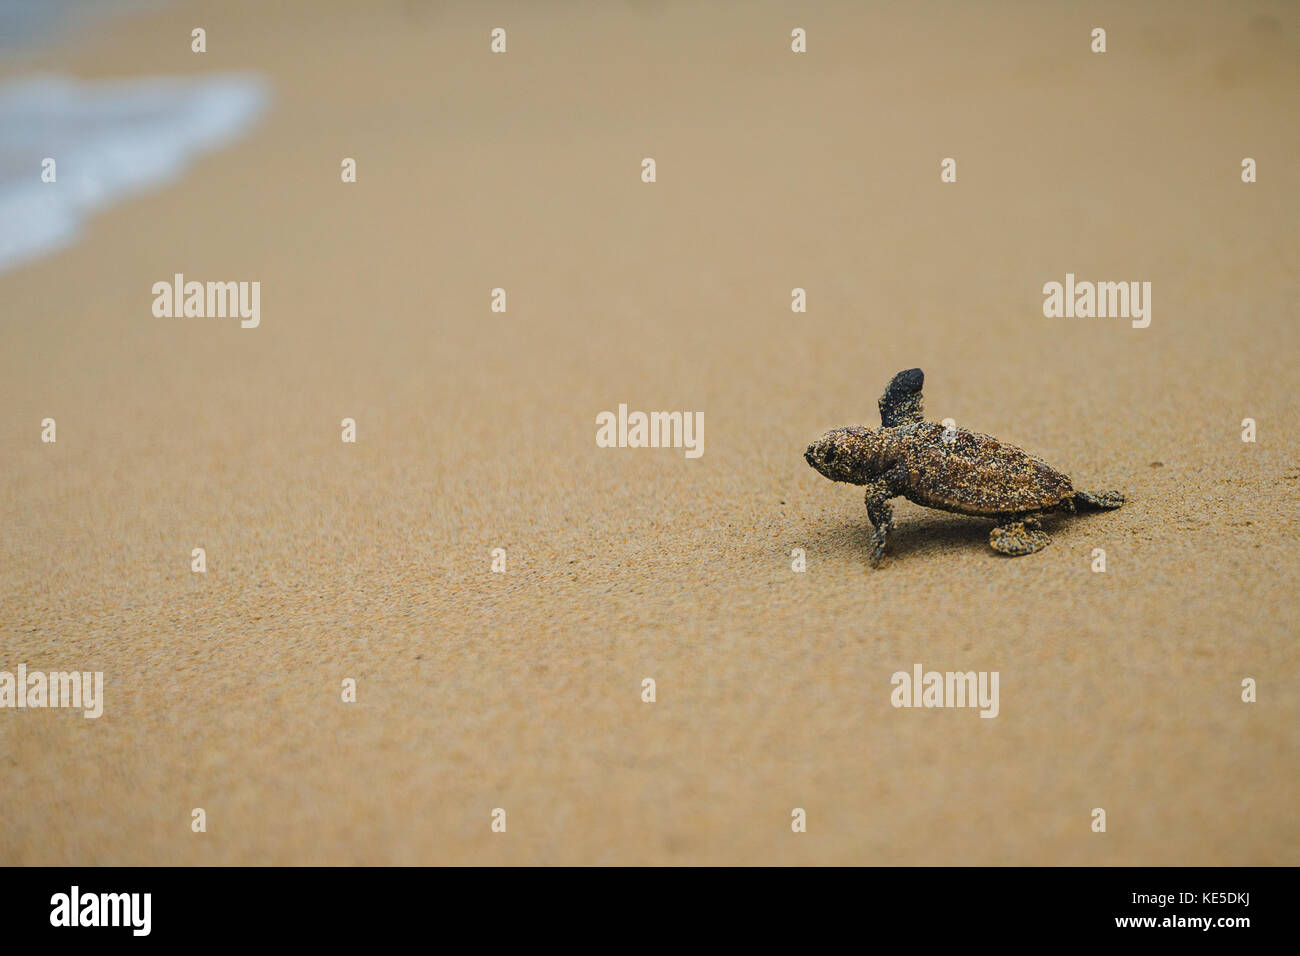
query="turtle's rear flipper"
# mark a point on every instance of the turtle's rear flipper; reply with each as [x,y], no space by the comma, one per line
[1018,537]
[1100,501]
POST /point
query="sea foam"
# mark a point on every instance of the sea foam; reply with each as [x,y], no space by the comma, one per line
[109,140]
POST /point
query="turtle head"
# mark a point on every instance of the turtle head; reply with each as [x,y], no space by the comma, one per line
[853,454]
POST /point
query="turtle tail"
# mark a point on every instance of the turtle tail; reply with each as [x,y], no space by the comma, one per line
[1098,501]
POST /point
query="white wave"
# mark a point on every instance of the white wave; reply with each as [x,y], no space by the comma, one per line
[109,140]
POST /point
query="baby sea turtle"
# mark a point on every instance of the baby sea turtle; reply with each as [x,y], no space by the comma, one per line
[951,469]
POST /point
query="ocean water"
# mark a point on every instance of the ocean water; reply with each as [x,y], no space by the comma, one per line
[109,140]
[27,23]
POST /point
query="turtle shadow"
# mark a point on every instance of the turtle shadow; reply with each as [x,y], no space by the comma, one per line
[935,533]
[851,537]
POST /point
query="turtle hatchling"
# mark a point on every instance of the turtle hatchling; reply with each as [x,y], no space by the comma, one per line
[948,468]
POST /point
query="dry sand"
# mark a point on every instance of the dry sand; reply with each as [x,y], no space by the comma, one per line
[476,430]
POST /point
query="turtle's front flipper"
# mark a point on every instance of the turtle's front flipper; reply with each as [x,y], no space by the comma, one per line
[902,403]
[1101,501]
[1018,537]
[881,513]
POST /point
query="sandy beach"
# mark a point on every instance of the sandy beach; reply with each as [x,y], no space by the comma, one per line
[475,430]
